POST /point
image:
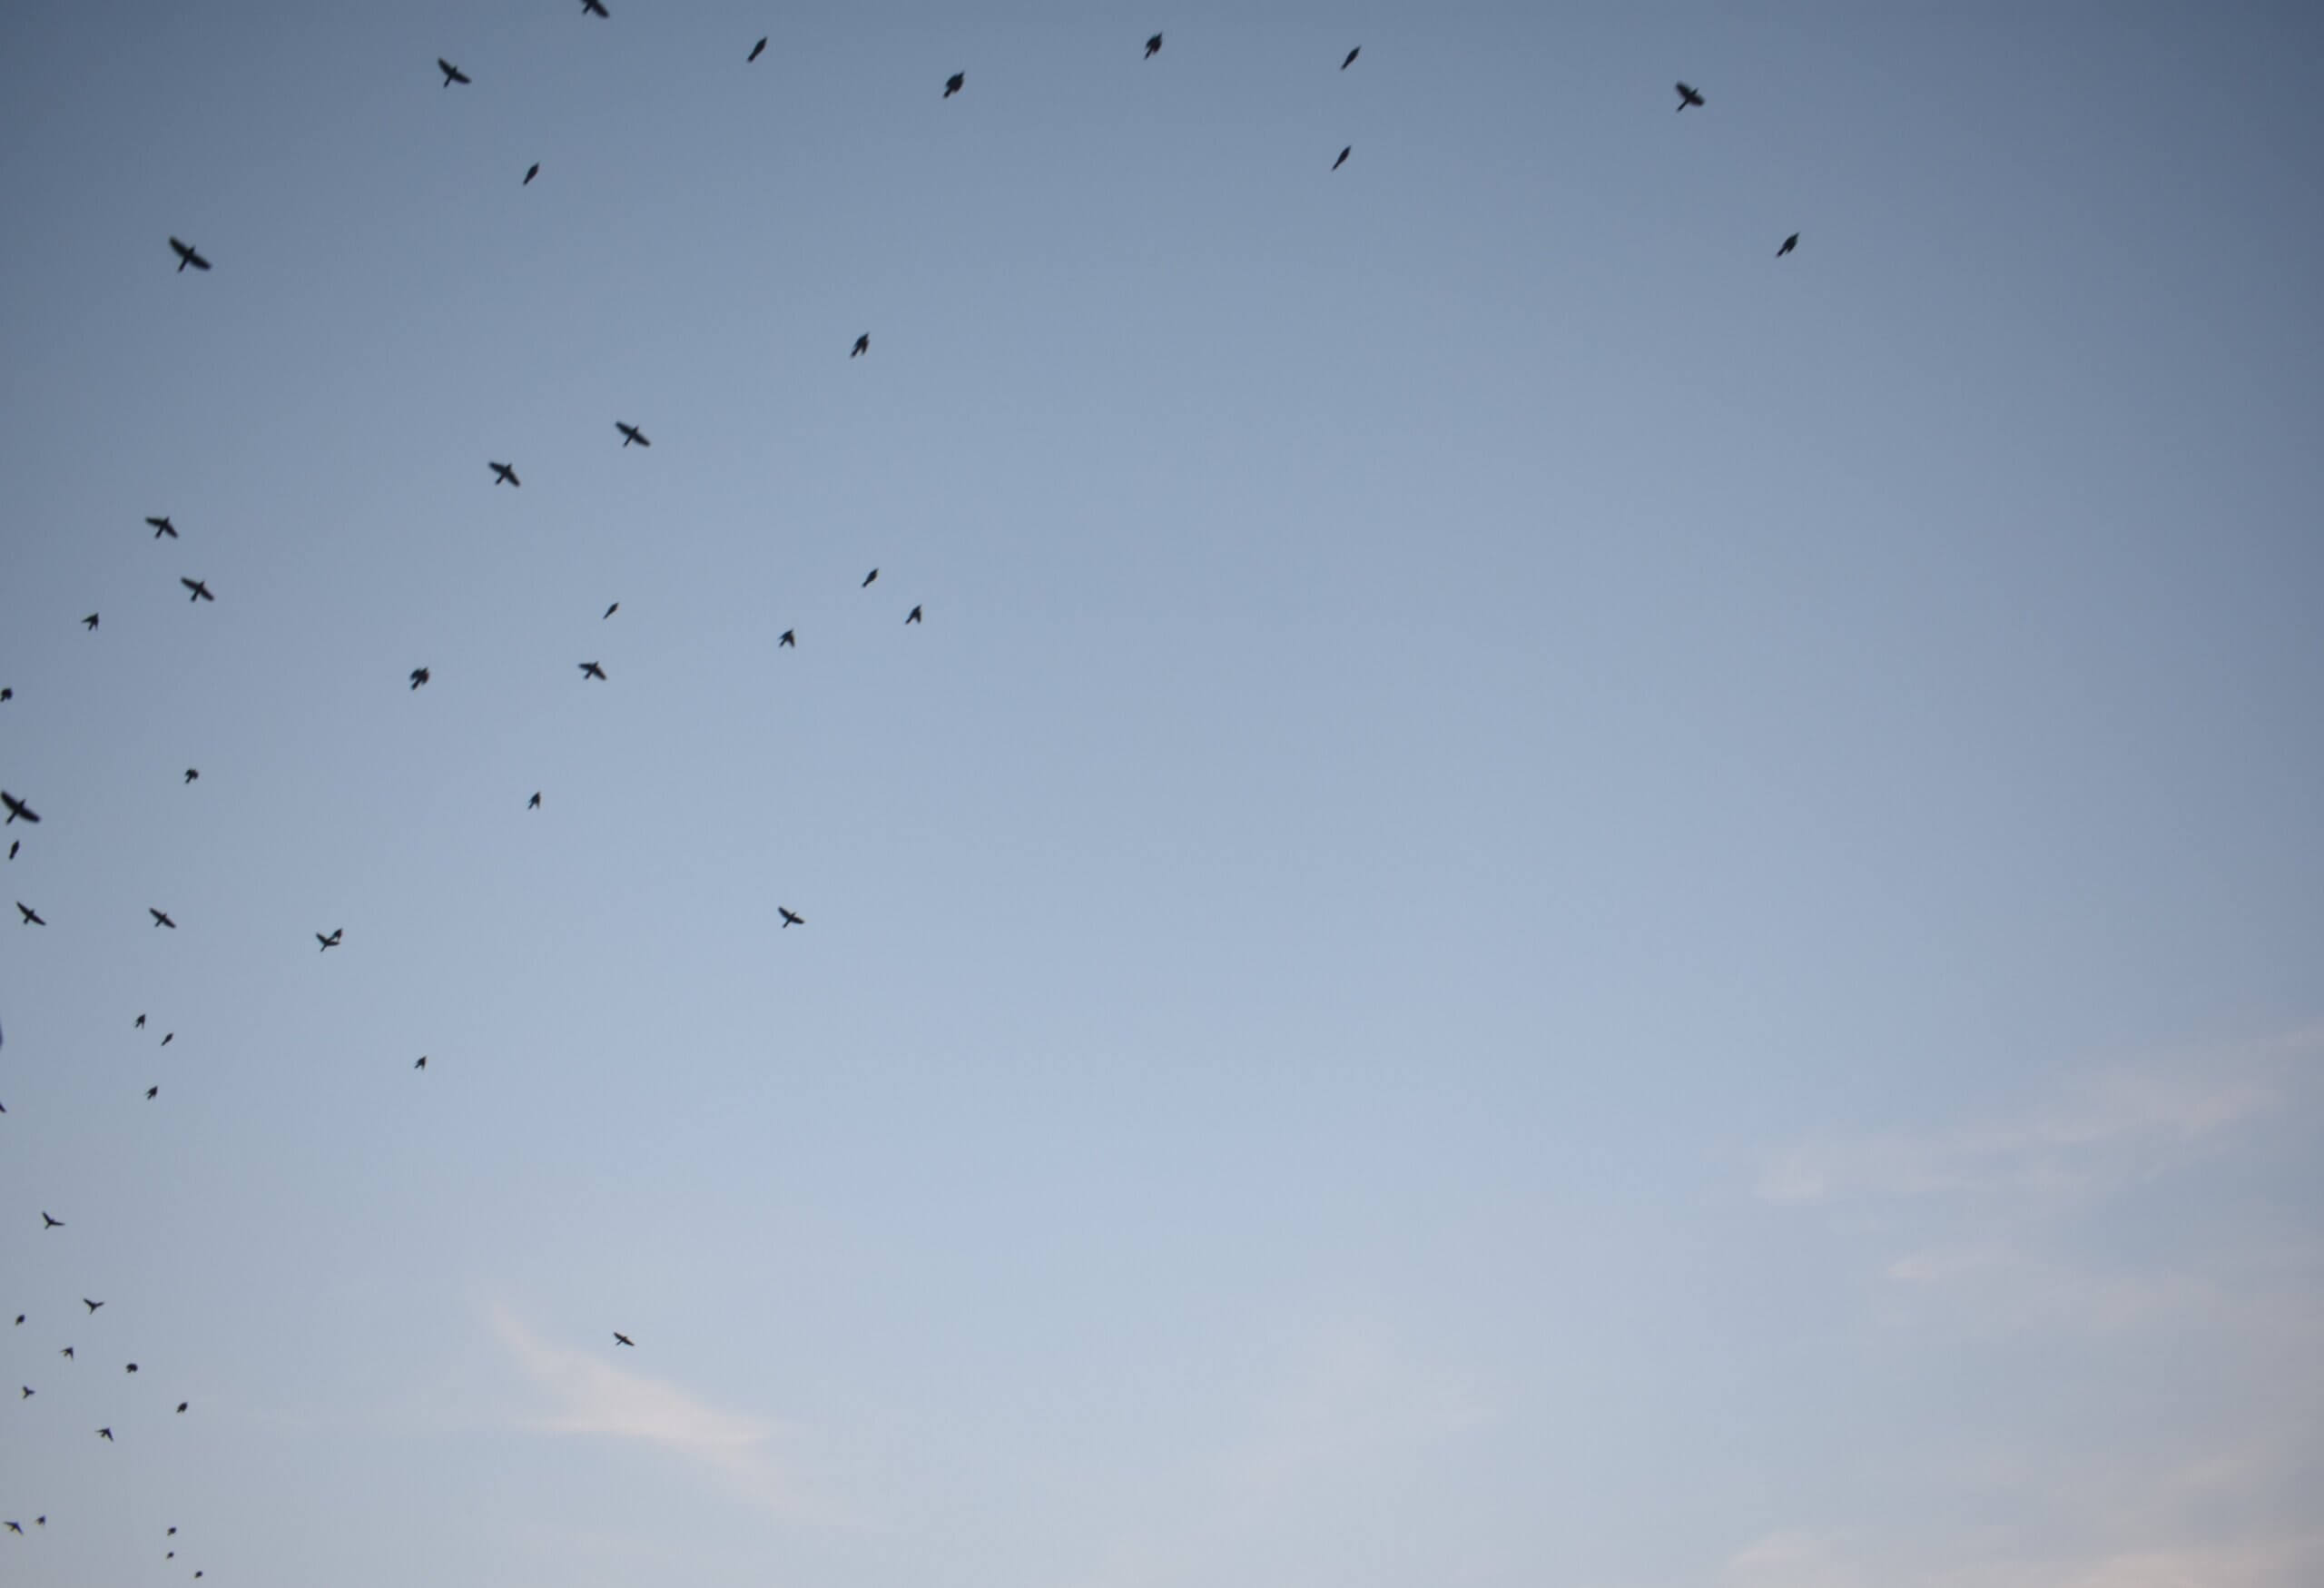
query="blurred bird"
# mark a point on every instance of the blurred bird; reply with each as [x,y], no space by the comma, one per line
[622,1339]
[1153,46]
[152,1092]
[187,256]
[67,1352]
[1342,158]
[505,473]
[531,171]
[591,670]
[333,941]
[953,83]
[1790,243]
[631,433]
[913,619]
[611,610]
[192,775]
[863,346]
[90,623]
[451,73]
[132,1367]
[32,917]
[201,590]
[868,578]
[1688,97]
[16,1527]
[92,1306]
[1352,55]
[535,803]
[418,677]
[420,1064]
[161,918]
[790,638]
[757,50]
[17,808]
[594,8]
[161,526]
[141,1023]
[791,917]
[47,1222]
[105,1434]
[182,1407]
[168,1037]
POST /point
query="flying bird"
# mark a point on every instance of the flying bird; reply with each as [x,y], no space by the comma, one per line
[152,1092]
[67,1352]
[132,1367]
[1688,97]
[790,638]
[182,1407]
[863,346]
[141,1023]
[594,8]
[1352,55]
[531,171]
[757,50]
[13,846]
[1790,243]
[611,610]
[791,917]
[105,1434]
[953,83]
[187,256]
[168,1037]
[421,1064]
[535,803]
[192,774]
[451,73]
[1342,158]
[506,474]
[418,677]
[92,1306]
[622,1339]
[1153,46]
[19,1320]
[200,589]
[90,623]
[7,694]
[591,670]
[913,619]
[31,917]
[333,941]
[16,1527]
[631,433]
[161,918]
[47,1222]
[16,808]
[868,578]
[161,526]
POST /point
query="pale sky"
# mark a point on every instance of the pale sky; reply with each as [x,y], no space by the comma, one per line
[1548,903]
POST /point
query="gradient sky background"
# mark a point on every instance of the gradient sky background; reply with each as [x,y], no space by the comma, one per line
[1547,902]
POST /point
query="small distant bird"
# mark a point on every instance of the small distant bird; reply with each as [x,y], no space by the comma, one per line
[506,474]
[535,803]
[161,918]
[622,1339]
[1688,97]
[16,808]
[531,171]
[105,1434]
[92,1306]
[591,670]
[168,1037]
[67,1352]
[422,1064]
[47,1222]
[19,1320]
[90,623]
[192,775]
[1342,158]
[7,695]
[791,917]
[611,610]
[132,1367]
[868,578]
[201,590]
[13,846]
[594,8]
[913,619]
[152,1092]
[141,1023]
[16,1527]
[631,433]
[1352,55]
[1153,46]
[790,638]
[863,346]
[172,1534]
[187,256]
[418,677]
[31,917]
[757,50]
[1790,243]
[333,941]
[161,526]
[451,73]
[953,83]
[182,1407]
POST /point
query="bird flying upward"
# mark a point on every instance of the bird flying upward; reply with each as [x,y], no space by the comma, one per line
[199,588]
[790,638]
[161,526]
[1688,97]
[505,473]
[152,1092]
[610,611]
[421,1064]
[1352,55]
[1342,158]
[1790,243]
[868,578]
[913,619]
[863,346]
[531,171]
[591,670]
[631,433]
[17,808]
[757,50]
[418,677]
[1153,46]
[187,256]
[535,803]
[90,623]
[953,83]
[451,73]
[105,1434]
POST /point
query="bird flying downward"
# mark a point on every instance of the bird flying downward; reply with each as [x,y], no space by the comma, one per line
[531,171]
[451,73]
[90,623]
[333,941]
[953,83]
[631,433]
[790,638]
[92,1306]
[1790,243]
[1342,158]
[1352,55]
[535,803]
[187,256]
[200,589]
[791,917]
[161,526]
[757,50]
[913,619]
[863,346]
[868,578]
[192,774]
[161,918]
[611,610]
[17,808]
[418,677]
[1688,97]
[1153,46]
[505,473]
[591,670]
[31,917]
[47,1222]
[622,1339]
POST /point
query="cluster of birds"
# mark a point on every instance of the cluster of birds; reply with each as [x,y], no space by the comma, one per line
[20,810]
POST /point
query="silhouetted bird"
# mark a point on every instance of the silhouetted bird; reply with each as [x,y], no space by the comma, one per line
[7,695]
[1153,46]
[868,578]
[192,775]
[161,918]
[17,808]
[790,638]
[141,1023]
[591,670]
[105,1434]
[1342,158]
[594,8]
[13,846]
[187,256]
[19,1320]
[913,619]
[791,917]
[421,1064]
[182,1407]
[506,474]
[333,941]
[535,803]
[531,171]
[132,1367]
[631,433]
[418,677]
[622,1339]
[67,1352]
[1352,55]
[47,1222]
[152,1092]
[1688,97]
[1790,243]
[451,73]
[611,610]
[168,1037]
[863,346]
[161,526]
[92,1306]
[16,1527]
[90,623]
[31,917]
[953,83]
[757,50]
[201,590]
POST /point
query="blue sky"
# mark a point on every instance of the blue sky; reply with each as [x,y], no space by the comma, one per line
[1546,902]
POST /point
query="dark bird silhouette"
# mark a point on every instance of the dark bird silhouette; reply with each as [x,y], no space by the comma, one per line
[192,774]
[863,346]
[7,695]
[92,1306]
[631,433]
[421,1064]
[451,73]
[594,8]
[1342,158]
[535,803]
[622,1339]
[67,1352]
[17,809]
[47,1222]
[1688,97]
[161,918]
[16,1527]
[152,1092]
[141,1023]
[105,1434]
[757,50]
[182,1407]
[168,1037]
[506,474]
[611,610]
[90,623]
[531,171]
[132,1367]
[953,83]
[1352,55]
[172,1534]
[791,917]
[31,917]
[868,578]
[913,619]
[1790,243]
[1153,46]
[591,670]
[418,677]
[161,526]
[201,590]
[13,846]
[790,638]
[187,256]
[333,941]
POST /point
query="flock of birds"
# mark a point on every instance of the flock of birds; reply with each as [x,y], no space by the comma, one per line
[19,810]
